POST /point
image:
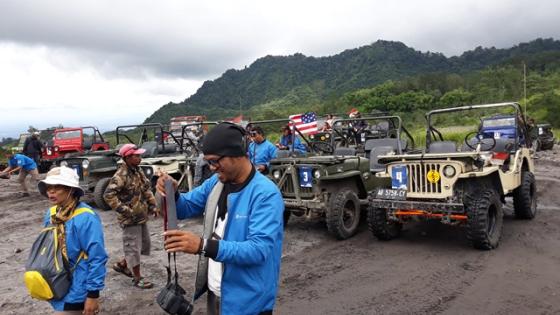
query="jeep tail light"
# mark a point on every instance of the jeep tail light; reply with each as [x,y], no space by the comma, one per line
[498,158]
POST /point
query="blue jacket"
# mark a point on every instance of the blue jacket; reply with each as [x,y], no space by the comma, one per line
[298,146]
[84,232]
[262,153]
[252,244]
[21,160]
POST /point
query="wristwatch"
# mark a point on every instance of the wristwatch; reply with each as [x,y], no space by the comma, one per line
[203,250]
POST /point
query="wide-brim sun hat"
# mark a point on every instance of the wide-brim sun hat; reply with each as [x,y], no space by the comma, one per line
[64,176]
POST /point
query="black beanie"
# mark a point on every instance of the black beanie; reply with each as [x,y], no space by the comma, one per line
[226,139]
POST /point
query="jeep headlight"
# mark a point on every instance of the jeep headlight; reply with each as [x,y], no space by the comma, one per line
[449,171]
[148,172]
[63,163]
[85,163]
[276,174]
[317,174]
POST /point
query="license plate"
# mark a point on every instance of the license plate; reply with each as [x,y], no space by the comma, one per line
[305,177]
[77,169]
[392,194]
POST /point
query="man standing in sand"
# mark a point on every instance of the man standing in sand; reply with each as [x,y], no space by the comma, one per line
[129,193]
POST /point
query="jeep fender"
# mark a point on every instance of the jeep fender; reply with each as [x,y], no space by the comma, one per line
[352,182]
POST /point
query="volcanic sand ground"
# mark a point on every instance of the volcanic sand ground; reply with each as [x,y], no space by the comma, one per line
[431,268]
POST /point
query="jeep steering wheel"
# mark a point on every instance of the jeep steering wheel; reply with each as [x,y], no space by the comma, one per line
[479,140]
[322,146]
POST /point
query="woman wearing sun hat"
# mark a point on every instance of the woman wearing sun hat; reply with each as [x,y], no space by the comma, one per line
[81,231]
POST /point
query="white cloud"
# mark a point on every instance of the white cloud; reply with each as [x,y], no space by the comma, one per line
[40,89]
[128,58]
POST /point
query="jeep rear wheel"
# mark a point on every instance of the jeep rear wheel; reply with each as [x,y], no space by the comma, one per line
[380,225]
[547,146]
[98,192]
[343,214]
[485,218]
[525,197]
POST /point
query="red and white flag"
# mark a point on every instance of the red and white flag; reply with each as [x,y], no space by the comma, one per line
[306,123]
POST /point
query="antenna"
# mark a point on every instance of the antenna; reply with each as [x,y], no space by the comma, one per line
[525,88]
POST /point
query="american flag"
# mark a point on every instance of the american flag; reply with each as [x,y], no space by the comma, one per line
[306,123]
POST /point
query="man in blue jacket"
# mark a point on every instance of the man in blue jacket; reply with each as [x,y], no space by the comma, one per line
[25,166]
[261,151]
[290,141]
[241,245]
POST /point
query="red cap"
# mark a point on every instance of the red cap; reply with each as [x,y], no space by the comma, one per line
[130,149]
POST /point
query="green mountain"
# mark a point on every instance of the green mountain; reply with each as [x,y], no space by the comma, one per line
[278,84]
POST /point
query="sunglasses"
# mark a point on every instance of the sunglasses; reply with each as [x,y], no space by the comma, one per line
[216,162]
[253,133]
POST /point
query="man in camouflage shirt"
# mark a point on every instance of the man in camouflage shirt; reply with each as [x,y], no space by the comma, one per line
[129,194]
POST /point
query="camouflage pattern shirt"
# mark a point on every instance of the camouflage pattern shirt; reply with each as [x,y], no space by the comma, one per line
[129,194]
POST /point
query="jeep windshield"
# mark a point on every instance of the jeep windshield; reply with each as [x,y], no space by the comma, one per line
[71,134]
[499,122]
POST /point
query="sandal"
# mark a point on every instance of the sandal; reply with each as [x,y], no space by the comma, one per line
[124,270]
[142,284]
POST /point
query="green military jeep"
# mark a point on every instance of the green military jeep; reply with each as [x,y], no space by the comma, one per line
[333,182]
[545,137]
[460,187]
[164,151]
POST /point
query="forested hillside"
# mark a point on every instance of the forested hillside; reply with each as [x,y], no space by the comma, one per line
[384,75]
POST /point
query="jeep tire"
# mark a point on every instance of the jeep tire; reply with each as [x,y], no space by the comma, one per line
[525,197]
[547,147]
[98,192]
[343,214]
[380,225]
[485,219]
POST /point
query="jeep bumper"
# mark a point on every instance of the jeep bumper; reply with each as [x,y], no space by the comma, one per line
[429,206]
[312,204]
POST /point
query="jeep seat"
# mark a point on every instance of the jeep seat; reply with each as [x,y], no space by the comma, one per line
[150,147]
[88,143]
[374,165]
[168,148]
[442,147]
[387,142]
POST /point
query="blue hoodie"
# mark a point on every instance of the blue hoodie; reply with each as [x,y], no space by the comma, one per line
[251,248]
[84,232]
[262,153]
[298,146]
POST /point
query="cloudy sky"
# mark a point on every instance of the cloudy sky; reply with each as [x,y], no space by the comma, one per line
[106,63]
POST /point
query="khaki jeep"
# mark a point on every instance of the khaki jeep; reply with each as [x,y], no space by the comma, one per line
[459,187]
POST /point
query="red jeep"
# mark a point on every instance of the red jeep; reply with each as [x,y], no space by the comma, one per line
[73,140]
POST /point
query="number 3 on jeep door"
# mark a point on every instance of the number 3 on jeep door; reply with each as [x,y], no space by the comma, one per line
[399,177]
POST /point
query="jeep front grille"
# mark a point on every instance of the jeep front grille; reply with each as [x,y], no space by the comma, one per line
[418,181]
[288,187]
